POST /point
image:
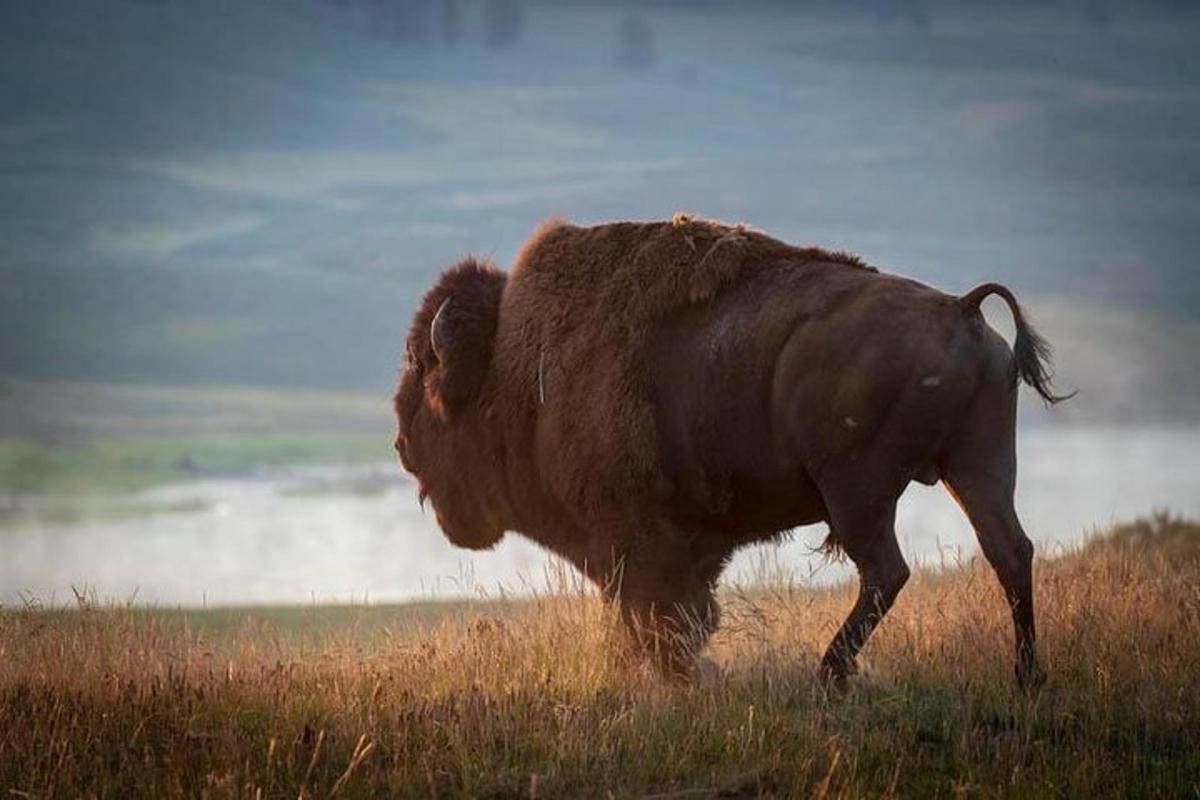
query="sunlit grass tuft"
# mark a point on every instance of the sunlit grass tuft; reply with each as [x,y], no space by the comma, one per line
[531,697]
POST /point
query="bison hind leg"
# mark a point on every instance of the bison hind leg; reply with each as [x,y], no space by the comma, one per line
[981,474]
[862,512]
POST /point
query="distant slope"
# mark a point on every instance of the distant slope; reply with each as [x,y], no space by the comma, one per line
[237,192]
[71,437]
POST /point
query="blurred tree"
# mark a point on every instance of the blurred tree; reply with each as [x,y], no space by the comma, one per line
[1177,6]
[406,21]
[503,21]
[1098,13]
[635,43]
[911,12]
[452,21]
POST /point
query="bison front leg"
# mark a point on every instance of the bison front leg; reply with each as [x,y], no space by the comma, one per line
[668,605]
[670,633]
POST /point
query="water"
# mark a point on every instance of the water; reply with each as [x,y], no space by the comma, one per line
[358,535]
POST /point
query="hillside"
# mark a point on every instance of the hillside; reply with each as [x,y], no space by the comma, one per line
[80,436]
[256,193]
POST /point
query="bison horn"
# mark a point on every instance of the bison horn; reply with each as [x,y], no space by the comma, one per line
[437,331]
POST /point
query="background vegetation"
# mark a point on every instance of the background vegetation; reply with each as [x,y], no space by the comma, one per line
[74,436]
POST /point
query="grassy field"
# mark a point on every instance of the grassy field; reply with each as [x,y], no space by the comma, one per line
[524,698]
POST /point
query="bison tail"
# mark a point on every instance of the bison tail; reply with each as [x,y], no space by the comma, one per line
[1031,352]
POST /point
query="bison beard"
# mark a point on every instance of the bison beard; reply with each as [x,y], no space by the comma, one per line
[645,398]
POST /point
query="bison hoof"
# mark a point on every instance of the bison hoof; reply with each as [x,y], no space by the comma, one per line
[1030,677]
[835,673]
[705,671]
[690,671]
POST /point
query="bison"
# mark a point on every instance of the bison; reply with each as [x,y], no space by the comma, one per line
[643,399]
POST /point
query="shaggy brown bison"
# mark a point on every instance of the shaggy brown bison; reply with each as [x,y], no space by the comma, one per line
[645,398]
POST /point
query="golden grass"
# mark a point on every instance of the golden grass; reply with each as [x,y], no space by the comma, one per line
[521,698]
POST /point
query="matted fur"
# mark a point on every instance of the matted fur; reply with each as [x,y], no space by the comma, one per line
[580,297]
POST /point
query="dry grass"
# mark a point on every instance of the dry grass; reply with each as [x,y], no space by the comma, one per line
[520,698]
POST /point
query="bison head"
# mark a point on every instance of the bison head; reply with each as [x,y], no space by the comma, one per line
[442,404]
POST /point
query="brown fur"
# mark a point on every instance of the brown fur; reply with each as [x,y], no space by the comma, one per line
[644,398]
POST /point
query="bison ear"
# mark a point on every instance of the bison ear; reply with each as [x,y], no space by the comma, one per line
[462,333]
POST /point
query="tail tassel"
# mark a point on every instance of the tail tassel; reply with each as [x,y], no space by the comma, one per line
[1031,352]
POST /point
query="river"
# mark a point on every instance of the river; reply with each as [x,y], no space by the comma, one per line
[357,535]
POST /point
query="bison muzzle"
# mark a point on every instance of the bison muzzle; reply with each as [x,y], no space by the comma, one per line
[645,398]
